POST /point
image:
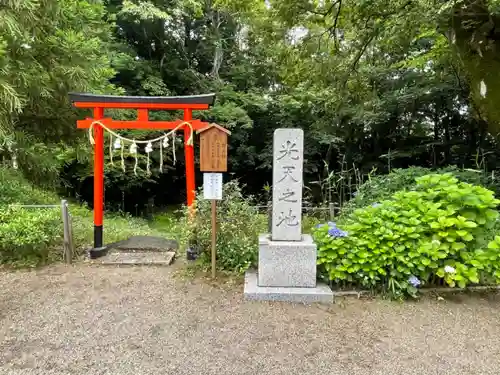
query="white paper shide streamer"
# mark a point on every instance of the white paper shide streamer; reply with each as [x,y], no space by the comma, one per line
[117,142]
[483,89]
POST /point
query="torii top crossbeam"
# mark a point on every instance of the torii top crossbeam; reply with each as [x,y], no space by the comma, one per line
[142,104]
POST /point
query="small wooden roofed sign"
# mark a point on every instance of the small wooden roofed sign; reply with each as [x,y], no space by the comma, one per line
[213,148]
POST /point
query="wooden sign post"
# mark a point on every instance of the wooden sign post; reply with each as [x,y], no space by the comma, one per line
[213,159]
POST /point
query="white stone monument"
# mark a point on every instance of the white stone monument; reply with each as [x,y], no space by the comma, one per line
[287,258]
[288,162]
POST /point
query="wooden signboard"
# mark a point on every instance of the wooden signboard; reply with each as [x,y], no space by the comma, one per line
[213,158]
[213,148]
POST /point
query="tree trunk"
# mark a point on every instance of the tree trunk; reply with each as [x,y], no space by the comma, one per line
[447,154]
[478,49]
[219,51]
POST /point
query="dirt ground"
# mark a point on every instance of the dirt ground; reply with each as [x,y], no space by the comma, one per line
[95,320]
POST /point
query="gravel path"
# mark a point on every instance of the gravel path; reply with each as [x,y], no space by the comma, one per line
[97,320]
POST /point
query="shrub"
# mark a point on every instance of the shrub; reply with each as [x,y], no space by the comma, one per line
[238,223]
[14,188]
[383,187]
[436,232]
[27,236]
[309,222]
[33,236]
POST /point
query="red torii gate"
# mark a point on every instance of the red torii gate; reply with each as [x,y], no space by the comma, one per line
[143,104]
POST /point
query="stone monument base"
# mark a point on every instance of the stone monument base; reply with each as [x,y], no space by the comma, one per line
[321,293]
[287,263]
[287,272]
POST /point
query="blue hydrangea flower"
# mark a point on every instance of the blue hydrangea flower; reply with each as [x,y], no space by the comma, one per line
[333,231]
[414,281]
[336,232]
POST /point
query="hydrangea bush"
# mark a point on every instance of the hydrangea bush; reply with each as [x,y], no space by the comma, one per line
[439,232]
[381,187]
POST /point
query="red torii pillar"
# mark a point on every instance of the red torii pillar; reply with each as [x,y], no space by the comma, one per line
[143,104]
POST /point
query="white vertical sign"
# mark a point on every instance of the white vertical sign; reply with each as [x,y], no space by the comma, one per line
[212,186]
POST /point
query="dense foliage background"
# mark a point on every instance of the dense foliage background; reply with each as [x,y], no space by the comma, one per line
[375,84]
[398,100]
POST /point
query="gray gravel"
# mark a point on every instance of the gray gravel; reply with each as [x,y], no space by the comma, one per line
[96,320]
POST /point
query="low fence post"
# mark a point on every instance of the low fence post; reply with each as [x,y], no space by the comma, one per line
[331,209]
[67,232]
[71,236]
[269,216]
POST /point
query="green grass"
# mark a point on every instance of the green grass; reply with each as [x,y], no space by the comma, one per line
[15,189]
[167,221]
[116,227]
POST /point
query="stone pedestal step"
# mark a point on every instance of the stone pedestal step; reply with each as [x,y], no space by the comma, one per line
[142,258]
[321,293]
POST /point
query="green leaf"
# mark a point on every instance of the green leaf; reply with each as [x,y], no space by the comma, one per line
[468,237]
[491,214]
[493,245]
[475,263]
[412,290]
[457,245]
[441,255]
[435,225]
[470,224]
[474,279]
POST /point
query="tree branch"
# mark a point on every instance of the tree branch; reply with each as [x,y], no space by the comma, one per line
[324,14]
[372,36]
[331,28]
[358,56]
[336,42]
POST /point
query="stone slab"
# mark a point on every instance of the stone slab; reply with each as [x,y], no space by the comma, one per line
[287,263]
[138,258]
[319,294]
[288,160]
[145,243]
